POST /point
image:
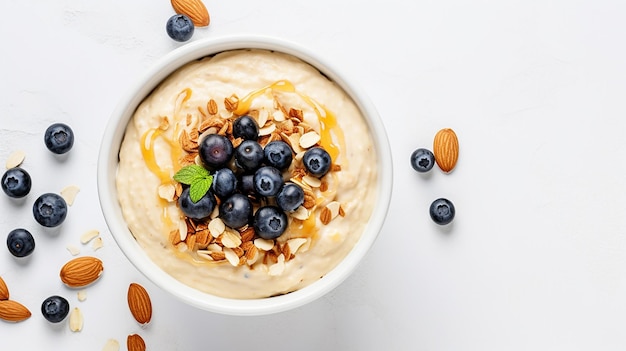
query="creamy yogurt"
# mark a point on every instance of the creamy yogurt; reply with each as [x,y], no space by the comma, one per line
[274,88]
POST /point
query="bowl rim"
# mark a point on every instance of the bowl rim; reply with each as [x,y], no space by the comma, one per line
[108,159]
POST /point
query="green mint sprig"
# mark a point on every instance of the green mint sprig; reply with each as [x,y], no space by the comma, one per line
[198,178]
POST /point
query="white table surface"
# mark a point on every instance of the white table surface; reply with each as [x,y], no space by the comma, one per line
[536,257]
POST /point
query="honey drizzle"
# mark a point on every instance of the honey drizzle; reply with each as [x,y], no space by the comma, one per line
[327,119]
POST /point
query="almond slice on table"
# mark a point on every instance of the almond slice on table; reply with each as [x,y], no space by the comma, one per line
[15,159]
[13,311]
[194,9]
[111,345]
[76,320]
[81,271]
[139,303]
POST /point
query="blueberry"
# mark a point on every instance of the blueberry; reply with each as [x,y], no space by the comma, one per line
[270,222]
[59,138]
[236,211]
[290,197]
[442,211]
[422,160]
[55,308]
[278,154]
[215,150]
[246,185]
[245,127]
[249,155]
[268,181]
[316,161]
[180,27]
[20,242]
[196,210]
[16,182]
[50,210]
[224,183]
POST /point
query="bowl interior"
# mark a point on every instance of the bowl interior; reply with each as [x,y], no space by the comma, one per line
[108,162]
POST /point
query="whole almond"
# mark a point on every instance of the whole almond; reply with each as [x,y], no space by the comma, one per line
[13,311]
[134,342]
[194,9]
[81,271]
[446,149]
[4,290]
[139,303]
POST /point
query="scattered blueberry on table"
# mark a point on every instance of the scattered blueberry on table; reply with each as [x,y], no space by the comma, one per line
[20,242]
[16,182]
[55,308]
[59,138]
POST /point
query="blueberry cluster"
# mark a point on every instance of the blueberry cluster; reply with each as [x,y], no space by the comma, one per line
[248,180]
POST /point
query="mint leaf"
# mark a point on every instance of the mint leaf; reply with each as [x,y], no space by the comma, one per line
[199,188]
[190,174]
[198,178]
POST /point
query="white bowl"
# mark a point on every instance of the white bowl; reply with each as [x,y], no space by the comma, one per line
[108,163]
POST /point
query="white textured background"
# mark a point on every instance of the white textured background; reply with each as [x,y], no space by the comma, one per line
[535,259]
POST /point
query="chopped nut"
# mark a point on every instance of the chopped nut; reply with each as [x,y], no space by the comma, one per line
[309,199]
[247,234]
[231,103]
[81,295]
[69,194]
[203,238]
[335,168]
[218,256]
[297,114]
[342,213]
[15,159]
[251,255]
[325,216]
[323,186]
[211,107]
[187,143]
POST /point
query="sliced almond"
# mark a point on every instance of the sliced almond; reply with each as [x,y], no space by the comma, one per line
[216,227]
[81,271]
[13,311]
[76,320]
[267,130]
[300,213]
[97,243]
[167,192]
[309,139]
[111,345]
[231,256]
[314,182]
[279,267]
[262,118]
[182,229]
[264,244]
[231,238]
[139,303]
[81,295]
[296,243]
[69,194]
[73,249]
[15,159]
[89,235]
[278,116]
